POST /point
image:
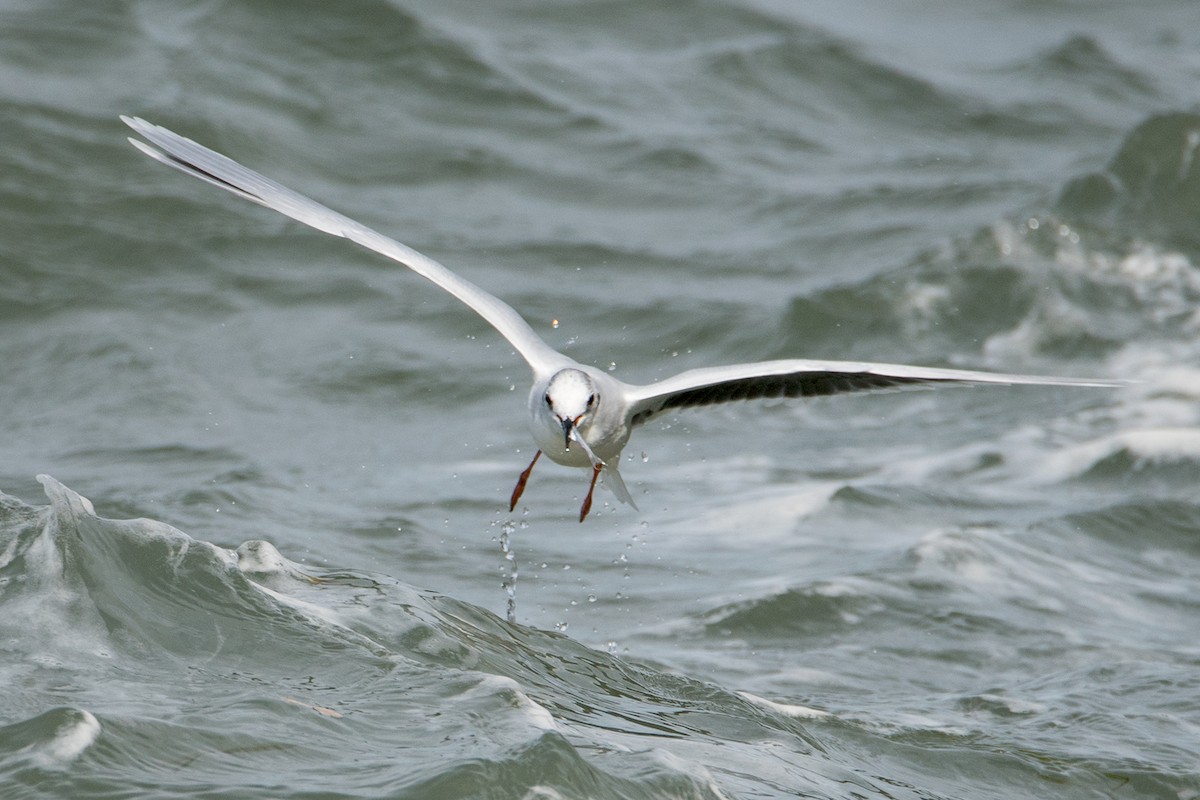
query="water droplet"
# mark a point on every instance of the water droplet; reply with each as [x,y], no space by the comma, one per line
[506,532]
[591,598]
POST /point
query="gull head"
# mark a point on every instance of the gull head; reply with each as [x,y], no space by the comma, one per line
[572,399]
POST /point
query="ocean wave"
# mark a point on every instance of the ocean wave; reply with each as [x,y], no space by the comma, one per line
[187,660]
[49,741]
[1150,189]
[308,655]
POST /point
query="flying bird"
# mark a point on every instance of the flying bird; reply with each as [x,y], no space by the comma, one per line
[580,416]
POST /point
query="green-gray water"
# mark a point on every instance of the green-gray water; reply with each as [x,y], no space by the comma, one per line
[300,455]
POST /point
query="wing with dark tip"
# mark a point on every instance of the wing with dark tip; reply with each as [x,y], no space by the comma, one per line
[802,378]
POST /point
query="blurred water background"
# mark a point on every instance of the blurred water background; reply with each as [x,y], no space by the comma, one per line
[292,583]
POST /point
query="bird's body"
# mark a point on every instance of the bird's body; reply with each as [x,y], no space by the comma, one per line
[606,430]
[579,416]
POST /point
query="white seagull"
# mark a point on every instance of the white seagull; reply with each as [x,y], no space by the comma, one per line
[580,416]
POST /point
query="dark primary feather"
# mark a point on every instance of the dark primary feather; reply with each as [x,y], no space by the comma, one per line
[797,384]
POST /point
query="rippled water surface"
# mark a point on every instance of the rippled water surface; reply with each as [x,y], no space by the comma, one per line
[288,579]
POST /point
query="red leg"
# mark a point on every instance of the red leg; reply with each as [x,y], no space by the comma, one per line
[587,501]
[520,487]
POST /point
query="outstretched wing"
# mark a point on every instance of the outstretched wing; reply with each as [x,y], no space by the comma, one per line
[802,378]
[198,161]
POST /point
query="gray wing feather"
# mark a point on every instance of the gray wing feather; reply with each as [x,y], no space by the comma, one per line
[799,378]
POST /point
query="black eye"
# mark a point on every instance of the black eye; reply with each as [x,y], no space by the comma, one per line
[548,401]
[591,400]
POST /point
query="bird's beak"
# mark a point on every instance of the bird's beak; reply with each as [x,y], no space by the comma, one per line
[568,426]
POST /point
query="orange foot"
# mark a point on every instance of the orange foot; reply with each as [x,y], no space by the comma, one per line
[520,487]
[587,501]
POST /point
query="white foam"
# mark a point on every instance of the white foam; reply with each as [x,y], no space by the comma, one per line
[785,709]
[70,740]
[1145,447]
[263,557]
[775,510]
[57,491]
[540,792]
[10,552]
[697,772]
[529,712]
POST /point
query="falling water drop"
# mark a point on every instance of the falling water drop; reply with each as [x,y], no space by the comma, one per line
[510,579]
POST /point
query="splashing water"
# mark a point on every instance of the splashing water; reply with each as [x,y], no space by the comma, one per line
[510,579]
